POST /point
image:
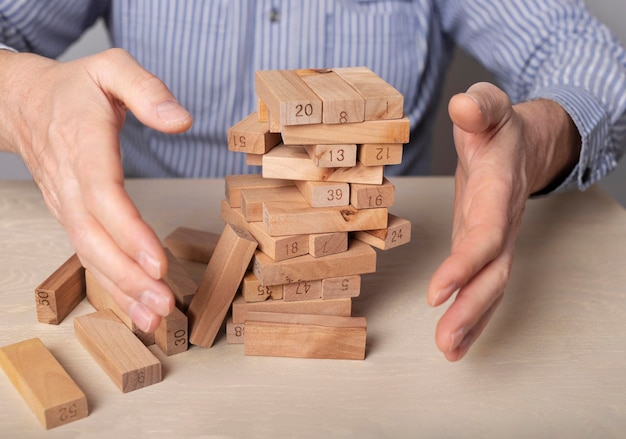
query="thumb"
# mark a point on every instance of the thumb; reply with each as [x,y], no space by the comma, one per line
[121,76]
[483,106]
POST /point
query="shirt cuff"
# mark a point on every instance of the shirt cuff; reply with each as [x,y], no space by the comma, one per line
[5,47]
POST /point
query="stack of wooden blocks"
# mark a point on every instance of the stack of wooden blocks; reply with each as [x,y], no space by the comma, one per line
[322,138]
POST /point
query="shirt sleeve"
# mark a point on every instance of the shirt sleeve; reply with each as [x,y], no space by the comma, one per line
[552,49]
[46,27]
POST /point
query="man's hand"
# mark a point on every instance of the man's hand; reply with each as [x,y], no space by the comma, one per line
[505,153]
[64,120]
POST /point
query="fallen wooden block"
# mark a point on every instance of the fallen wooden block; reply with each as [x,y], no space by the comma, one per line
[304,290]
[192,244]
[376,154]
[172,334]
[219,284]
[360,258]
[59,294]
[305,336]
[344,286]
[325,244]
[234,184]
[397,233]
[330,307]
[179,280]
[115,348]
[252,291]
[46,387]
[251,136]
[368,196]
[332,156]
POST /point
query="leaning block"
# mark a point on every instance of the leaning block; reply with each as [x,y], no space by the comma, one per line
[59,294]
[115,348]
[179,280]
[192,244]
[172,334]
[305,336]
[251,136]
[46,387]
[219,284]
[397,233]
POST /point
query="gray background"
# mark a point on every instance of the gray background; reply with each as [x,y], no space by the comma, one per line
[463,73]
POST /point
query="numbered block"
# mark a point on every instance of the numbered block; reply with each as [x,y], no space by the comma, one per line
[251,136]
[340,287]
[323,193]
[382,100]
[128,363]
[219,284]
[43,383]
[369,196]
[304,290]
[192,244]
[305,336]
[325,244]
[235,332]
[172,334]
[359,259]
[252,200]
[59,294]
[287,97]
[179,280]
[252,290]
[330,307]
[397,233]
[234,184]
[332,156]
[377,154]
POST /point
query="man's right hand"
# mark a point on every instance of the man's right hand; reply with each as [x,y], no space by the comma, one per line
[64,120]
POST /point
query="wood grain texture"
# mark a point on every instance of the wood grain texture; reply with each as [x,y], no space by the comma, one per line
[249,135]
[341,103]
[344,286]
[172,335]
[376,154]
[179,280]
[332,156]
[325,244]
[324,193]
[369,196]
[234,184]
[192,244]
[397,233]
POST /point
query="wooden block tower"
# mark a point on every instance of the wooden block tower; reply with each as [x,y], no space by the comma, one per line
[322,139]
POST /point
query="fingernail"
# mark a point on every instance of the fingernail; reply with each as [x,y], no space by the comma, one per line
[172,112]
[456,338]
[442,294]
[150,264]
[158,303]
[141,316]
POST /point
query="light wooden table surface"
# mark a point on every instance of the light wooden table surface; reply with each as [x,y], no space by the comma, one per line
[552,363]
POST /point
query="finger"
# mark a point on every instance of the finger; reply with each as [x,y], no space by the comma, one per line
[142,92]
[483,106]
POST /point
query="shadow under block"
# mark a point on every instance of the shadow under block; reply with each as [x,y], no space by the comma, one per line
[360,258]
[59,294]
[219,284]
[382,100]
[341,103]
[323,193]
[375,154]
[115,348]
[179,280]
[368,196]
[234,184]
[191,244]
[43,383]
[344,286]
[293,163]
[287,97]
[373,131]
[397,233]
[290,218]
[251,136]
[332,156]
[172,334]
[324,244]
[305,336]
[330,307]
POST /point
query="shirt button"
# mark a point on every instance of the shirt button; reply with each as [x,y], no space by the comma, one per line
[274,15]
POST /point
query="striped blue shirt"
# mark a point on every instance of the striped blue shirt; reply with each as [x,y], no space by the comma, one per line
[207,51]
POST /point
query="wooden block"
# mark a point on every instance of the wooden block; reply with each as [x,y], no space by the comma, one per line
[359,259]
[290,218]
[324,244]
[234,184]
[373,131]
[304,290]
[276,247]
[382,100]
[252,290]
[332,156]
[252,200]
[43,383]
[397,233]
[288,97]
[331,307]
[261,111]
[274,122]
[234,332]
[323,193]
[172,334]
[305,336]
[115,348]
[293,163]
[254,159]
[251,136]
[368,196]
[59,294]
[219,284]
[341,103]
[180,281]
[376,154]
[192,244]
[343,286]
[100,299]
